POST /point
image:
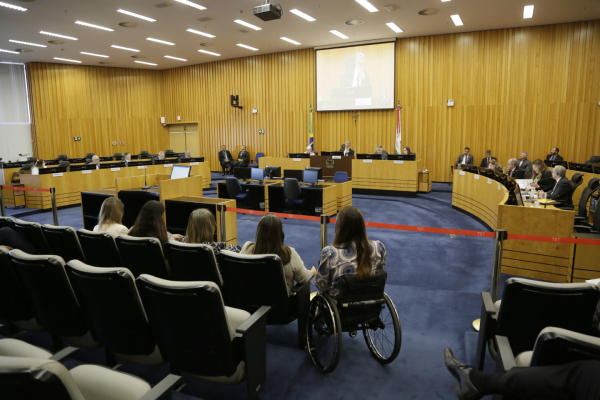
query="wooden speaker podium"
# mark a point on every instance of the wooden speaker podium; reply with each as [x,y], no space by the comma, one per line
[330,165]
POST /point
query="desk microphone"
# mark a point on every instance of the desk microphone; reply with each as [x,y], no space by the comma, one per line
[145,187]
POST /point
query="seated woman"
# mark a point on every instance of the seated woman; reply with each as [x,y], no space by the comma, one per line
[269,240]
[352,253]
[542,176]
[11,239]
[494,166]
[150,223]
[406,151]
[109,220]
[35,170]
[201,229]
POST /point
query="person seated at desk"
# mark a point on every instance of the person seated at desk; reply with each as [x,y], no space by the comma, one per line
[160,156]
[494,166]
[383,153]
[269,240]
[150,223]
[464,159]
[512,170]
[309,150]
[406,152]
[243,159]
[36,169]
[352,253]
[109,220]
[127,158]
[553,156]
[347,150]
[541,176]
[95,161]
[562,191]
[224,159]
[486,161]
[523,163]
[201,230]
[11,239]
[187,154]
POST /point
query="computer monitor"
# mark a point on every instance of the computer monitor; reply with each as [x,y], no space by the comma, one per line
[310,176]
[518,197]
[293,173]
[581,167]
[136,163]
[298,155]
[470,168]
[112,165]
[192,159]
[180,171]
[165,161]
[53,170]
[318,169]
[368,156]
[273,172]
[242,173]
[332,153]
[404,157]
[257,174]
[488,173]
[84,167]
[552,164]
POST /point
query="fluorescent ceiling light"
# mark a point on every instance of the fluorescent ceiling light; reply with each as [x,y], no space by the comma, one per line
[200,33]
[136,15]
[93,54]
[16,52]
[143,62]
[27,43]
[57,35]
[367,5]
[175,58]
[456,19]
[209,52]
[239,21]
[94,26]
[12,6]
[8,62]
[160,41]
[528,12]
[66,59]
[340,34]
[189,3]
[394,27]
[302,15]
[290,40]
[443,1]
[247,47]
[124,48]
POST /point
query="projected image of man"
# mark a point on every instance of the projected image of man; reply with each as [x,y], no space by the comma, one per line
[355,74]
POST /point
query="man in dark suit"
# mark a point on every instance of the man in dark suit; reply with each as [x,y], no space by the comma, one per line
[127,158]
[562,192]
[384,154]
[464,158]
[513,171]
[553,156]
[355,74]
[486,161]
[225,158]
[243,158]
[160,156]
[347,150]
[523,164]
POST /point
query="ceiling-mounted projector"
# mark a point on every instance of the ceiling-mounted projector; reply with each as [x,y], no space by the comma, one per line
[268,11]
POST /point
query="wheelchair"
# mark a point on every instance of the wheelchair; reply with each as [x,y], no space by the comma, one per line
[361,305]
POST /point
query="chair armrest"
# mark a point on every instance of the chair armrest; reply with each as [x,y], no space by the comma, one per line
[247,325]
[298,287]
[162,390]
[488,304]
[506,359]
[487,327]
[64,353]
[254,331]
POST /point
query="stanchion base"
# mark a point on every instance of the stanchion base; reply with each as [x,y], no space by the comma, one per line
[476,325]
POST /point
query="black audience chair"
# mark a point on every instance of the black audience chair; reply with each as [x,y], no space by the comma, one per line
[588,191]
[32,231]
[585,227]
[63,242]
[7,222]
[114,311]
[198,335]
[100,249]
[143,255]
[593,160]
[192,262]
[529,306]
[294,198]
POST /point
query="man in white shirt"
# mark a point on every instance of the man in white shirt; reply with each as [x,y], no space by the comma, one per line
[225,159]
[96,161]
[127,158]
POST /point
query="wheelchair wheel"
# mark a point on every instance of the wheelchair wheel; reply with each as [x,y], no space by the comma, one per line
[324,333]
[385,339]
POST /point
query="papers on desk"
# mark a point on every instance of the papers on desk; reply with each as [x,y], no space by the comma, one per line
[523,183]
[594,281]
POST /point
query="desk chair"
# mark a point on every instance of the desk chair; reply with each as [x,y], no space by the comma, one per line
[590,189]
[258,156]
[235,190]
[100,249]
[143,255]
[32,231]
[63,242]
[294,197]
[340,177]
[593,160]
[585,227]
[192,262]
[528,173]
[7,222]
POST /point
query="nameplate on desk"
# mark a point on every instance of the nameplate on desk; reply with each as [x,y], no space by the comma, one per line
[489,181]
[476,176]
[297,159]
[168,165]
[313,154]
[194,163]
[115,169]
[368,161]
[336,157]
[89,171]
[142,166]
[461,172]
[398,161]
[499,187]
[57,175]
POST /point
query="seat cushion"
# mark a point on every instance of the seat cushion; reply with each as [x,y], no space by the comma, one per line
[18,348]
[238,376]
[29,325]
[524,359]
[151,360]
[101,383]
[235,317]
[85,341]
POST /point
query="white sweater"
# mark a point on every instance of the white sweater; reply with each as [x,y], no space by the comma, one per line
[114,230]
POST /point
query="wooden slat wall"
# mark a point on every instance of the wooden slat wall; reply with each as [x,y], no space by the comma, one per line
[97,103]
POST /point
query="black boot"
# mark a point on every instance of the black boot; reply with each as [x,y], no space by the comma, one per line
[465,389]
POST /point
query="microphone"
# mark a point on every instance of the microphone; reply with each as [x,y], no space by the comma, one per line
[145,187]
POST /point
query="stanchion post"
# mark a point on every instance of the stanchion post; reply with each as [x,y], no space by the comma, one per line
[223,231]
[54,208]
[2,210]
[324,222]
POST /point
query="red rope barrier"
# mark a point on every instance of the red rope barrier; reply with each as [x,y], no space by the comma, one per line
[280,215]
[533,238]
[26,189]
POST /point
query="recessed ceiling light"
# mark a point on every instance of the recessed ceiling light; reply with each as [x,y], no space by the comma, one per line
[370,7]
[246,47]
[143,62]
[239,21]
[94,26]
[125,48]
[209,52]
[456,19]
[160,41]
[394,27]
[57,35]
[16,52]
[200,33]
[27,43]
[340,34]
[528,12]
[57,42]
[189,3]
[290,40]
[93,54]
[136,15]
[66,59]
[12,6]
[128,24]
[302,15]
[175,58]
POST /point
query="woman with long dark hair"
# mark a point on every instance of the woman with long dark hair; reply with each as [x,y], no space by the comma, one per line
[201,230]
[352,253]
[150,223]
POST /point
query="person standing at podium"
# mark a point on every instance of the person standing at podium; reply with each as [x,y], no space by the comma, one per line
[243,159]
[309,150]
[464,159]
[347,150]
[224,158]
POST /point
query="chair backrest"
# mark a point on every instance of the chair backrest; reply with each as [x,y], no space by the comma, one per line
[7,222]
[529,306]
[54,304]
[189,321]
[577,178]
[592,186]
[15,304]
[340,177]
[291,188]
[259,155]
[100,249]
[556,346]
[353,290]
[528,173]
[62,157]
[143,255]
[593,160]
[32,231]
[233,187]
[63,242]
[192,262]
[112,306]
[244,273]
[90,155]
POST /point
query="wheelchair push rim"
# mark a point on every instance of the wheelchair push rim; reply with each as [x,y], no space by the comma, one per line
[324,334]
[384,341]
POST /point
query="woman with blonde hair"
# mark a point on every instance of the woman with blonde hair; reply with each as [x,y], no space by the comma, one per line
[109,220]
[494,166]
[201,230]
[542,176]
